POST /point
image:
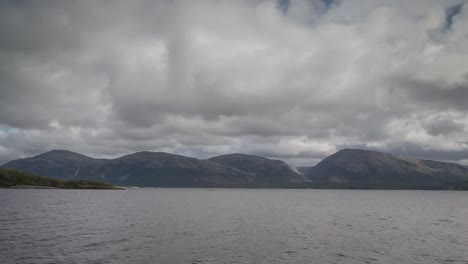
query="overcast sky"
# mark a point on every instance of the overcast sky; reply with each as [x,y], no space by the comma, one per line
[294,80]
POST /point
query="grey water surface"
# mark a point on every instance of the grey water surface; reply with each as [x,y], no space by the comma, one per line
[157,225]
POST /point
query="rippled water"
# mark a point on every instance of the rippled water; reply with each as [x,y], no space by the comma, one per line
[233,226]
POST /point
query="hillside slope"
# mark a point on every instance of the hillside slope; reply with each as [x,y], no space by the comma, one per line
[353,168]
[349,168]
[261,169]
[163,169]
[59,164]
[155,169]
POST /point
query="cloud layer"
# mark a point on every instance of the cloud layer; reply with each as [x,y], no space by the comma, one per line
[295,80]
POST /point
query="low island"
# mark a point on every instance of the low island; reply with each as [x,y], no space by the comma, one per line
[20,180]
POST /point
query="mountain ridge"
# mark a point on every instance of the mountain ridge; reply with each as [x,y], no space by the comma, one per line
[347,168]
[146,168]
[355,168]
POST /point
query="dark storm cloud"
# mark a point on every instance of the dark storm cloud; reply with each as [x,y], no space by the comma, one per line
[443,127]
[295,80]
[451,13]
[436,94]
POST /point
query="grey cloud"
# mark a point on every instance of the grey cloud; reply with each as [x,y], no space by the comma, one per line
[451,14]
[443,127]
[295,80]
[436,94]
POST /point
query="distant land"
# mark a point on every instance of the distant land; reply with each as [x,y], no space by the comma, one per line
[16,179]
[353,168]
[348,169]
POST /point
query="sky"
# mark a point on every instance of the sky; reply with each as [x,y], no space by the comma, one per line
[292,80]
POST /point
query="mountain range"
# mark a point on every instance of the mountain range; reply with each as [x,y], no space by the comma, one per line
[164,169]
[348,168]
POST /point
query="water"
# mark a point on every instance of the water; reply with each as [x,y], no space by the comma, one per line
[233,226]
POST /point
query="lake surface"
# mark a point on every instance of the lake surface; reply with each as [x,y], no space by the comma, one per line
[157,225]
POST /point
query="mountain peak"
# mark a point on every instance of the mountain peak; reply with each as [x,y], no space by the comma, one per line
[59,151]
[357,168]
[360,151]
[152,154]
[241,156]
[63,154]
